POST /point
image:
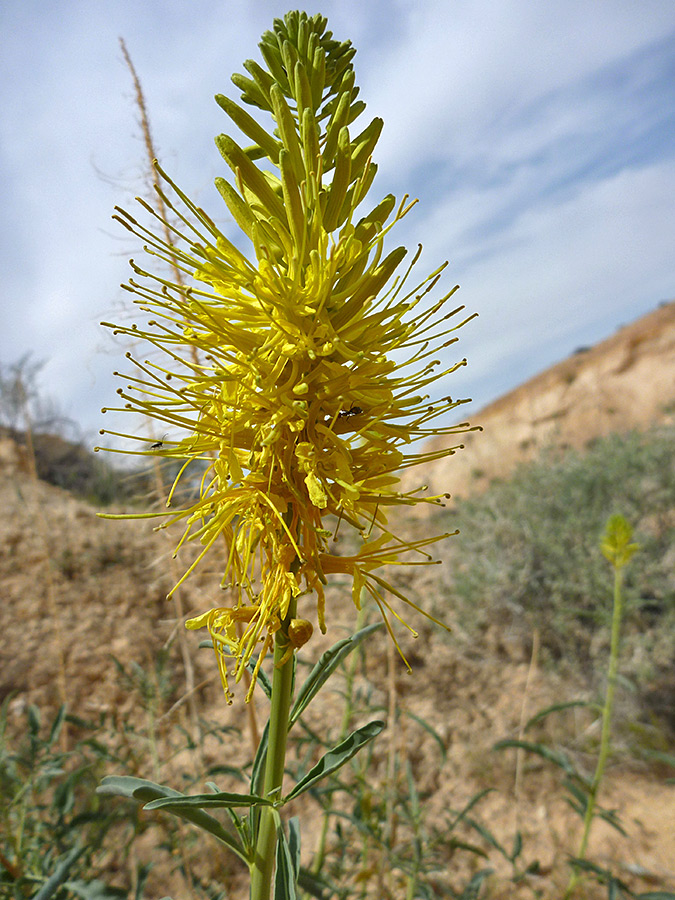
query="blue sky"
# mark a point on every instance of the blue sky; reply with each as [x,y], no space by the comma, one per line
[539,138]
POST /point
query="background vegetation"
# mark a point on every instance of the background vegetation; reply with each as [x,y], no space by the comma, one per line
[528,554]
[527,560]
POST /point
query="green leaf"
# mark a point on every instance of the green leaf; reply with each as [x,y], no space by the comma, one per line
[488,837]
[413,793]
[656,895]
[324,668]
[586,865]
[33,720]
[428,728]
[578,793]
[472,889]
[517,846]
[626,683]
[315,885]
[559,707]
[143,791]
[284,876]
[142,872]
[95,890]
[557,758]
[660,756]
[258,776]
[470,848]
[258,771]
[467,809]
[533,868]
[57,724]
[241,825]
[337,757]
[221,800]
[294,844]
[60,874]
[610,816]
[578,808]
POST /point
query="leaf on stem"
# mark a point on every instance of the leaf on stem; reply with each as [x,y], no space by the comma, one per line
[143,791]
[285,877]
[324,668]
[60,874]
[221,800]
[558,758]
[337,757]
[559,707]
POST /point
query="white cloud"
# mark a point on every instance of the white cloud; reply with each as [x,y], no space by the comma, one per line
[458,71]
[570,273]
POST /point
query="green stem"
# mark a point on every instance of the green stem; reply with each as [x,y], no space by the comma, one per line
[606,722]
[282,693]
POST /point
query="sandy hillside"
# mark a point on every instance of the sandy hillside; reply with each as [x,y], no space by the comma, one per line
[626,381]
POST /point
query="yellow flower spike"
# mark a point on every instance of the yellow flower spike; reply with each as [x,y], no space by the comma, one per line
[315,347]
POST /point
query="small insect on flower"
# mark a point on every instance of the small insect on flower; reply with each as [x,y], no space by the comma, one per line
[158,444]
[348,413]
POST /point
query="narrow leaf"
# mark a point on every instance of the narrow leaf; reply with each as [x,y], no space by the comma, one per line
[143,791]
[294,844]
[559,759]
[315,885]
[610,816]
[470,848]
[258,776]
[337,757]
[57,724]
[284,876]
[324,668]
[472,889]
[559,707]
[428,728]
[262,680]
[94,890]
[259,761]
[467,809]
[488,836]
[221,800]
[60,874]
[517,846]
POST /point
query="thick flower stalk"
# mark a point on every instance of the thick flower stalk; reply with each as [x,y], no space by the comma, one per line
[316,352]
